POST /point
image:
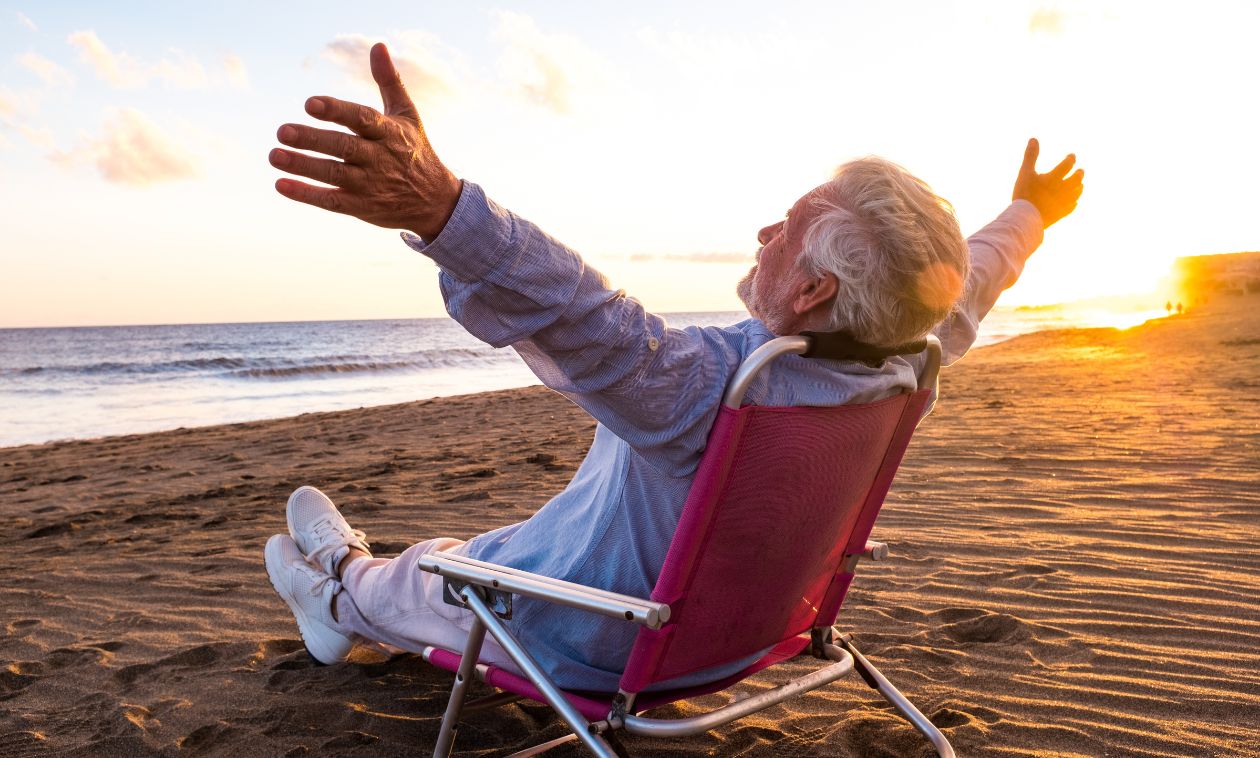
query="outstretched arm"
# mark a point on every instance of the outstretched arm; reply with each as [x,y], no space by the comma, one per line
[506,281]
[999,250]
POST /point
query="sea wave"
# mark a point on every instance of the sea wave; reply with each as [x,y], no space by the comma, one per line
[276,367]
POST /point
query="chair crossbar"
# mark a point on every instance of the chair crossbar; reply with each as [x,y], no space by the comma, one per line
[741,708]
[501,578]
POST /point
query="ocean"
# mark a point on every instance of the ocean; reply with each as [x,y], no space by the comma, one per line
[84,382]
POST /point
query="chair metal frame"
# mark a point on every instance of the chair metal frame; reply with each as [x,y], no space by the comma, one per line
[487,589]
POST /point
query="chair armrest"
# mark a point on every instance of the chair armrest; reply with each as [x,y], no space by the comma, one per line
[504,579]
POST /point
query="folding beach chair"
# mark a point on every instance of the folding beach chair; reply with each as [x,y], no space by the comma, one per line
[777,517]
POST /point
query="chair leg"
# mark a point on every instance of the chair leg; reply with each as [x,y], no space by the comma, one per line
[459,691]
[877,681]
[554,696]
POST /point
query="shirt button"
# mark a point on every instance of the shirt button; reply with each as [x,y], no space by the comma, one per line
[653,343]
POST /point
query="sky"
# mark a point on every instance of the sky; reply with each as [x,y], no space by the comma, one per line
[655,138]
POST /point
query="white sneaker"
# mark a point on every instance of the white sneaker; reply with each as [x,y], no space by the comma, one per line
[309,593]
[319,530]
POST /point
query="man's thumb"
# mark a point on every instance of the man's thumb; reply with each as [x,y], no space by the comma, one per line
[393,94]
[1030,157]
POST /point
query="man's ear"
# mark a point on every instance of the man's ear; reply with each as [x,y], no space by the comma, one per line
[815,293]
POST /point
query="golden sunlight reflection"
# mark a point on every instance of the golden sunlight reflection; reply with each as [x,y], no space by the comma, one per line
[1125,320]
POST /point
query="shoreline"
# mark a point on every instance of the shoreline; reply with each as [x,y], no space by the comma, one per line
[1071,570]
[67,440]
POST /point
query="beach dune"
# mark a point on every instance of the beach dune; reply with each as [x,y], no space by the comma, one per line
[1074,568]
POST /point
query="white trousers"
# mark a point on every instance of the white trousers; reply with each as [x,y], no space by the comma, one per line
[392,602]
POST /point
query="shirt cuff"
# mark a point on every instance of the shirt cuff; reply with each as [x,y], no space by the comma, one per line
[1026,219]
[473,239]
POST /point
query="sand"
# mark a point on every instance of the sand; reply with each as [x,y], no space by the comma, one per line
[1074,568]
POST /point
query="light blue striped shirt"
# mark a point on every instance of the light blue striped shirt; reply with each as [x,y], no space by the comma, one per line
[655,392]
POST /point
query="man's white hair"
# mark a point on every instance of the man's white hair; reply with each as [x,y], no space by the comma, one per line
[895,247]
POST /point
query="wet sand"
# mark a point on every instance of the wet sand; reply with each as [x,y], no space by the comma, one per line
[1074,568]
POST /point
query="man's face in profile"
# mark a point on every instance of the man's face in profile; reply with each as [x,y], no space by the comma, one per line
[767,289]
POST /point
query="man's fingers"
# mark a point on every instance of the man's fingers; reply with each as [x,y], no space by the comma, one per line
[393,93]
[348,147]
[1065,165]
[323,170]
[1077,176]
[1030,157]
[360,119]
[335,200]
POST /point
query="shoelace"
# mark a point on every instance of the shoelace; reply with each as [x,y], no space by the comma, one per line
[334,527]
[324,584]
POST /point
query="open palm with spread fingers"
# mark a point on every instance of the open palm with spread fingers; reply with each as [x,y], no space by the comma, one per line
[385,173]
[1055,194]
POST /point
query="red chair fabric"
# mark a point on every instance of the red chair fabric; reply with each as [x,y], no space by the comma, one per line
[782,495]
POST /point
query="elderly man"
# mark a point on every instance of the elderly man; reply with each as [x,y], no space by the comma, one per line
[872,252]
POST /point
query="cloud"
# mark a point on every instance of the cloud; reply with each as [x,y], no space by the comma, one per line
[50,72]
[1046,21]
[41,137]
[237,74]
[546,70]
[15,108]
[15,113]
[179,71]
[26,21]
[418,56]
[132,151]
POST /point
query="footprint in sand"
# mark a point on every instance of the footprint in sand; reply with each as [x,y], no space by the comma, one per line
[195,657]
[275,647]
[64,657]
[976,625]
[52,530]
[17,676]
[24,743]
[21,627]
[947,718]
[205,738]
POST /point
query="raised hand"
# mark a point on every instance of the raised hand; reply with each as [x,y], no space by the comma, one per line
[388,173]
[1054,195]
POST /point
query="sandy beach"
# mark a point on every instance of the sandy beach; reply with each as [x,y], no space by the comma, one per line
[1074,568]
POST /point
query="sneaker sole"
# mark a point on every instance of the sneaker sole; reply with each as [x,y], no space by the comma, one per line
[319,653]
